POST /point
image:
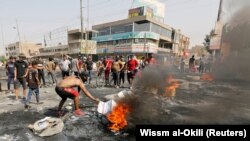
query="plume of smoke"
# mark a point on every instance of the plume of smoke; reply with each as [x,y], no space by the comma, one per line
[236,44]
[146,103]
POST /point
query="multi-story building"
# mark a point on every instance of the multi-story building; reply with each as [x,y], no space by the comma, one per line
[77,44]
[141,33]
[29,49]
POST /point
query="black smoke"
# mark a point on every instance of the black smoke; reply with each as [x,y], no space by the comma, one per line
[234,64]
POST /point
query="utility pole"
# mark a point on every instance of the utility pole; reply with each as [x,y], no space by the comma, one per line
[144,50]
[3,38]
[86,34]
[219,20]
[81,46]
[18,32]
[220,11]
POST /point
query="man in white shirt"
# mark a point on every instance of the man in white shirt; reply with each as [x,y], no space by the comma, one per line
[64,66]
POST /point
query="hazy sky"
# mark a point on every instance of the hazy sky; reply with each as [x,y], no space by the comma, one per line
[37,18]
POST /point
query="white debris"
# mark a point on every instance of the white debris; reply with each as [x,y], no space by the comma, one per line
[47,127]
[106,107]
[68,108]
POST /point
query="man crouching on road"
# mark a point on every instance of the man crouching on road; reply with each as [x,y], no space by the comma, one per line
[65,90]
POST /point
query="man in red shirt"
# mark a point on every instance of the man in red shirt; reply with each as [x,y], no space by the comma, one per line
[132,69]
[108,64]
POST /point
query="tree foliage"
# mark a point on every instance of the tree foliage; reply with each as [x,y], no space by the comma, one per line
[207,40]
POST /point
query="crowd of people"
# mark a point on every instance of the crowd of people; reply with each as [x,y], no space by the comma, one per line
[78,71]
[118,67]
[75,72]
[201,65]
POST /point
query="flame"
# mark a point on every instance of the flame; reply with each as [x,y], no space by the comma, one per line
[118,117]
[171,87]
[207,77]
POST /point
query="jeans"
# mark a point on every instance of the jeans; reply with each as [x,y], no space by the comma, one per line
[52,75]
[32,91]
[122,77]
[10,80]
[116,78]
[90,75]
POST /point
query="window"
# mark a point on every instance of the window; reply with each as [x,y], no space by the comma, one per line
[104,31]
[162,31]
[121,28]
[141,27]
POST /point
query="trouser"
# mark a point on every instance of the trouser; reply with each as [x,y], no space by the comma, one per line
[201,68]
[65,73]
[107,72]
[89,75]
[32,91]
[116,78]
[76,73]
[10,80]
[41,76]
[121,77]
[52,75]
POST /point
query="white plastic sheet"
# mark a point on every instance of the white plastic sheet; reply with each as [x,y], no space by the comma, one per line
[106,107]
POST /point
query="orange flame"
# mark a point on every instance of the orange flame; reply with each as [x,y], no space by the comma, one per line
[207,77]
[172,85]
[118,117]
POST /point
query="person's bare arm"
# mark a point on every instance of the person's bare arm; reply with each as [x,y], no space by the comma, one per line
[121,66]
[46,67]
[37,80]
[60,66]
[85,91]
[26,72]
[54,67]
[6,68]
[77,66]
[15,73]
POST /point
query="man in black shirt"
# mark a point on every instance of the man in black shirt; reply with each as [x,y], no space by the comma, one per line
[89,67]
[20,72]
[10,71]
[191,63]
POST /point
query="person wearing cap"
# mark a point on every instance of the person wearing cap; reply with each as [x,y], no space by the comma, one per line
[20,73]
[10,67]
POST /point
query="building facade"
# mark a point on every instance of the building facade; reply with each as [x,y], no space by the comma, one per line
[81,45]
[141,33]
[29,49]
